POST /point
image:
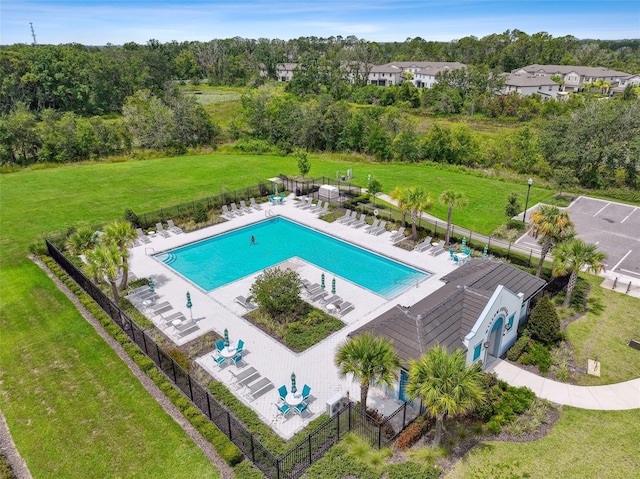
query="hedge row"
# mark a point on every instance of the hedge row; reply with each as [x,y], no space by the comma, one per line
[227,449]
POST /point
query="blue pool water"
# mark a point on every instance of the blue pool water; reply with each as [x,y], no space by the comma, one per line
[228,257]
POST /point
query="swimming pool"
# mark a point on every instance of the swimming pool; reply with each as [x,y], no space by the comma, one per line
[225,258]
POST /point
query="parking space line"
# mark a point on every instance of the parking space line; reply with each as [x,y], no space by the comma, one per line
[600,210]
[625,218]
[623,258]
[629,272]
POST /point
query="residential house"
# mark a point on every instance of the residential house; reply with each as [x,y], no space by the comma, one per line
[284,71]
[423,74]
[527,85]
[574,77]
[478,311]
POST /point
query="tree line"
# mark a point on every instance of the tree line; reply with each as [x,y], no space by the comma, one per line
[96,80]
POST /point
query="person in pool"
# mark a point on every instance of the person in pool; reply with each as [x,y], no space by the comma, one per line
[253,240]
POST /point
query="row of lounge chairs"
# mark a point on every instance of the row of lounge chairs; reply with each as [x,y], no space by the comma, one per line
[307,204]
[165,233]
[316,293]
[232,210]
[351,218]
[249,383]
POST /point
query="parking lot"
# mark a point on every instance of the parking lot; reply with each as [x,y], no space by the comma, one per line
[614,227]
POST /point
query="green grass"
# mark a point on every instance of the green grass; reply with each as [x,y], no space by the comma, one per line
[612,319]
[73,407]
[582,445]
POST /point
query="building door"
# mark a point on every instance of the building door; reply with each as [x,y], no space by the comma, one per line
[404,377]
[494,340]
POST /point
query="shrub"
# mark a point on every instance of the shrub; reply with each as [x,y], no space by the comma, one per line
[200,214]
[539,355]
[412,470]
[543,323]
[132,218]
[413,432]
[494,427]
[179,357]
[519,347]
[246,470]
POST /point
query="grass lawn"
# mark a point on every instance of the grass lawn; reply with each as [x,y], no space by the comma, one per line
[603,333]
[582,445]
[73,408]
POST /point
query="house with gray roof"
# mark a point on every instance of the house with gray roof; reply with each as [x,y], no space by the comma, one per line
[527,85]
[574,77]
[477,311]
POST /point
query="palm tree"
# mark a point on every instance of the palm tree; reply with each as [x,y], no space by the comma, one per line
[399,193]
[417,200]
[81,240]
[105,261]
[549,226]
[446,385]
[573,256]
[371,359]
[451,199]
[120,234]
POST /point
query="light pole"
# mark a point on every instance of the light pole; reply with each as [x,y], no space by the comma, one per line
[526,203]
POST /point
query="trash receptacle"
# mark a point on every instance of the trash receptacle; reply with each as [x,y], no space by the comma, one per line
[344,178]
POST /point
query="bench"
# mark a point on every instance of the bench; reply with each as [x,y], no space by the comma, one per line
[634,344]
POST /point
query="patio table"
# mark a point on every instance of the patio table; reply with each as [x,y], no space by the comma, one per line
[293,399]
[228,352]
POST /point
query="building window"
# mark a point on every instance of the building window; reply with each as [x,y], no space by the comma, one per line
[510,321]
[476,351]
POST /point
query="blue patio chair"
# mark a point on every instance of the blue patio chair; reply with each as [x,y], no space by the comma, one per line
[451,255]
[284,409]
[237,357]
[456,260]
[219,344]
[282,391]
[240,346]
[306,391]
[281,199]
[300,408]
[219,360]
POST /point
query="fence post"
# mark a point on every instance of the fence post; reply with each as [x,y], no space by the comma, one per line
[530,253]
[208,406]
[404,416]
[379,435]
[229,425]
[337,416]
[173,368]
[309,441]
[253,451]
[190,388]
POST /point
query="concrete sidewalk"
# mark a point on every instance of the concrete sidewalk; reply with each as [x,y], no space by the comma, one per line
[611,397]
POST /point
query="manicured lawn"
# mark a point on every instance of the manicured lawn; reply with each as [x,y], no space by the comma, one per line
[603,332]
[582,444]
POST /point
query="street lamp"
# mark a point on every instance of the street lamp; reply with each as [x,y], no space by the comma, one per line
[526,203]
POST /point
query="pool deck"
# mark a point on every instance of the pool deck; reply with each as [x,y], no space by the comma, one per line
[217,310]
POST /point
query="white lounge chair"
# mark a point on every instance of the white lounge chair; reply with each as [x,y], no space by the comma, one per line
[372,226]
[304,201]
[359,223]
[161,231]
[235,209]
[380,229]
[316,207]
[353,219]
[322,210]
[245,303]
[172,227]
[226,212]
[346,216]
[424,246]
[253,203]
[142,237]
[244,207]
[344,308]
[437,248]
[395,237]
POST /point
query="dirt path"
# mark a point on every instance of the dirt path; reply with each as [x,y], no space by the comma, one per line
[225,471]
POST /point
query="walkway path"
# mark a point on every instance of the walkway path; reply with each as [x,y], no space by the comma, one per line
[611,397]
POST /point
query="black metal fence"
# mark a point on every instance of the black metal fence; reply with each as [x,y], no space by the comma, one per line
[290,465]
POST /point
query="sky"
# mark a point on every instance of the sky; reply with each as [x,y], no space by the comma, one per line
[120,21]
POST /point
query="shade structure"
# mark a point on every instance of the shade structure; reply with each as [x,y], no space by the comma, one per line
[464,241]
[226,337]
[151,286]
[486,250]
[294,389]
[333,286]
[189,304]
[322,281]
